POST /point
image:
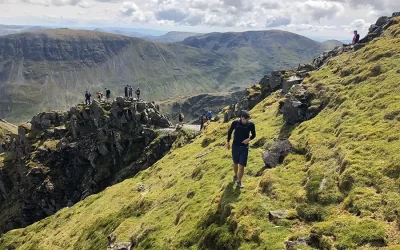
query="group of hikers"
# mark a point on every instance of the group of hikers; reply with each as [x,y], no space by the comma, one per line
[100,96]
[129,92]
[204,118]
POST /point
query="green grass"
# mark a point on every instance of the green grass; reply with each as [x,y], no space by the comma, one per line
[340,182]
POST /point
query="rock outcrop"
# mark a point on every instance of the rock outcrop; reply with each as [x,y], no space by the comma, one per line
[60,158]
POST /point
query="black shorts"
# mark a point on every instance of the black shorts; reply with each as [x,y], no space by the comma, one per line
[240,154]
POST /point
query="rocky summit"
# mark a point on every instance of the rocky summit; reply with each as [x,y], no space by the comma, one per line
[60,158]
[323,171]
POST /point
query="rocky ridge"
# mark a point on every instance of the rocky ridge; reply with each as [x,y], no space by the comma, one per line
[296,103]
[60,158]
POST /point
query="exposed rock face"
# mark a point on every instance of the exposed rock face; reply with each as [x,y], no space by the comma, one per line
[375,30]
[277,153]
[60,158]
[296,106]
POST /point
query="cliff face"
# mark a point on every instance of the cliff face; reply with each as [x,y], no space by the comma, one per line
[60,158]
[61,45]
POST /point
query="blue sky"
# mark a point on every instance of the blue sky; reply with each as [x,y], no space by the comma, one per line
[322,19]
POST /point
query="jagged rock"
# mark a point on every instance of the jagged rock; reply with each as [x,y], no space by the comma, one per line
[277,215]
[372,28]
[141,106]
[287,84]
[296,106]
[120,100]
[292,245]
[277,153]
[382,20]
[313,240]
[103,149]
[120,246]
[85,149]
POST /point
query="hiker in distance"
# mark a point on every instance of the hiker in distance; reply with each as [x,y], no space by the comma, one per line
[240,145]
[108,94]
[356,37]
[126,91]
[130,90]
[202,119]
[87,98]
[138,94]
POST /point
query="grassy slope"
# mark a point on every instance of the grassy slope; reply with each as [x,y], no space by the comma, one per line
[342,180]
[6,129]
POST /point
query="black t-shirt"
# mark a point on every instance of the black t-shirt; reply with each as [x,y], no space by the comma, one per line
[242,132]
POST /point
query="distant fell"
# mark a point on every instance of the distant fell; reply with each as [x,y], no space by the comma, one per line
[171,37]
[331,44]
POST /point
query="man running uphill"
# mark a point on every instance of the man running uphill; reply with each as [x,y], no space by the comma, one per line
[240,146]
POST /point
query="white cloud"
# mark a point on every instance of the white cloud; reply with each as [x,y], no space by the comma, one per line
[310,17]
[359,24]
[318,10]
[128,8]
[85,4]
[278,21]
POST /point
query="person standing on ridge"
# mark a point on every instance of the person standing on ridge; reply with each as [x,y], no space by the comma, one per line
[180,118]
[108,94]
[126,91]
[87,98]
[138,94]
[130,90]
[240,145]
[99,96]
[356,37]
[202,120]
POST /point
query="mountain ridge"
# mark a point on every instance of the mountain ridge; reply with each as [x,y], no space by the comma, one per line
[71,62]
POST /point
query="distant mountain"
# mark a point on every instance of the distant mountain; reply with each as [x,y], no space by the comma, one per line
[51,69]
[13,29]
[171,37]
[259,51]
[121,32]
[331,44]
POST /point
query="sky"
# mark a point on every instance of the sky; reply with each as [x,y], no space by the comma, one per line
[318,19]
